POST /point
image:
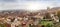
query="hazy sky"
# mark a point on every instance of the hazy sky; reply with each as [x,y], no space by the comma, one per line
[28,4]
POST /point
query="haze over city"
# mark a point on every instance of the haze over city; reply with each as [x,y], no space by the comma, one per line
[28,4]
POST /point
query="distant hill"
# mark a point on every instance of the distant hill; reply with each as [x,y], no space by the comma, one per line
[56,7]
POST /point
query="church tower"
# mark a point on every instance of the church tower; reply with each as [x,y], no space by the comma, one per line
[48,8]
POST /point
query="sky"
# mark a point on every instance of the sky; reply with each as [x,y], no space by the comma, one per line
[28,4]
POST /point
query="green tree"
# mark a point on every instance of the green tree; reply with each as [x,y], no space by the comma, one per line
[2,25]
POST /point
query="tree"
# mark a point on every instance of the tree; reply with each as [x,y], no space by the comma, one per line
[58,14]
[47,16]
